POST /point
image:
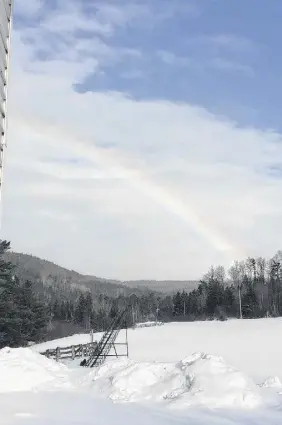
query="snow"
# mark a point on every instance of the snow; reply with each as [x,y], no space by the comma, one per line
[251,346]
[272,382]
[66,342]
[21,369]
[200,379]
[148,324]
[200,373]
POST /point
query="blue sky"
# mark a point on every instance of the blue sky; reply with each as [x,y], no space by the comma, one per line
[218,54]
[173,105]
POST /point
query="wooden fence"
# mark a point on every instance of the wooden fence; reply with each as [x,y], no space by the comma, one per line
[71,352]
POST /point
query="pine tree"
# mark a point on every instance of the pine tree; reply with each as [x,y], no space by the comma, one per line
[10,320]
[57,310]
[22,317]
[166,308]
[79,310]
[40,321]
[229,301]
[9,294]
[192,305]
[215,297]
[178,304]
[250,307]
[69,311]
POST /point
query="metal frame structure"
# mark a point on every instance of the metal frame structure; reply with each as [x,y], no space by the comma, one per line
[107,342]
[6,9]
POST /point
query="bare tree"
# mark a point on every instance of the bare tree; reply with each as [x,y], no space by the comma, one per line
[261,286]
[236,273]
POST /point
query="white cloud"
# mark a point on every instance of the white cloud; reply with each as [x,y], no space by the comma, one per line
[28,8]
[231,41]
[225,52]
[214,63]
[225,43]
[170,58]
[160,189]
[70,35]
[233,66]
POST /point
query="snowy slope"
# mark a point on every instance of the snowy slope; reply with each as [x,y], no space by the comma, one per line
[154,386]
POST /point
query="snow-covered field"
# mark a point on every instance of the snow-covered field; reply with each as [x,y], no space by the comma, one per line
[203,373]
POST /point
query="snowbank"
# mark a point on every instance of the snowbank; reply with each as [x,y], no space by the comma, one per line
[22,369]
[55,393]
[64,342]
[200,379]
[272,382]
[147,324]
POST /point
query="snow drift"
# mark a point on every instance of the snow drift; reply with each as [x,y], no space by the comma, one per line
[22,369]
[200,379]
[272,382]
[147,325]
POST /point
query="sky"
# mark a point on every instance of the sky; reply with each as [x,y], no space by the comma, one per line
[145,136]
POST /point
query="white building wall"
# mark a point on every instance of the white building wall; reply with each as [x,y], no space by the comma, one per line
[5,31]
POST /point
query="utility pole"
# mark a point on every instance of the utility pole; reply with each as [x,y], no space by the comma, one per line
[157,314]
[240,300]
[6,12]
[133,316]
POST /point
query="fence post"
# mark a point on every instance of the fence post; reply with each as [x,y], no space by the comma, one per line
[58,354]
[73,352]
[126,336]
[91,336]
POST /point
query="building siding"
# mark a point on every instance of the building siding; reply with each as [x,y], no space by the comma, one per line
[5,36]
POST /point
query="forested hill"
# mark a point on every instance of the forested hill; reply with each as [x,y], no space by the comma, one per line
[59,282]
[164,286]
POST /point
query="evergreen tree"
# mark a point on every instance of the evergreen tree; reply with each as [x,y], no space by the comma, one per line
[10,320]
[22,317]
[79,310]
[33,314]
[178,305]
[215,298]
[57,312]
[229,301]
[250,303]
[69,311]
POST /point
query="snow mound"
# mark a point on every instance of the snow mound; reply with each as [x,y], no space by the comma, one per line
[200,379]
[22,369]
[272,382]
[148,324]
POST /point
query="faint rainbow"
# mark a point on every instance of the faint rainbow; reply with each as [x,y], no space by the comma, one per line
[141,181]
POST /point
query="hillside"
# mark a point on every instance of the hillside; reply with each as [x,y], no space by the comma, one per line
[164,286]
[50,274]
[51,278]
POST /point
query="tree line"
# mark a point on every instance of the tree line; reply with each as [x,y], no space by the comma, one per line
[248,289]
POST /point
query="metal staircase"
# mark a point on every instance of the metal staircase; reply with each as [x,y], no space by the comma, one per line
[107,341]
